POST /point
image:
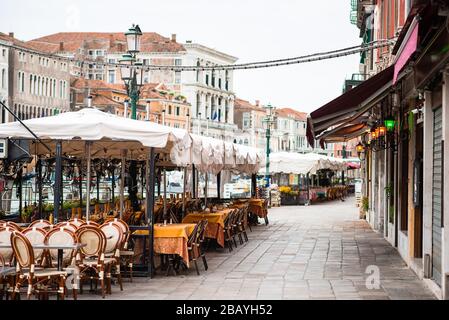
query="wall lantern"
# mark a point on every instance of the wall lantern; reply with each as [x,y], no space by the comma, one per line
[390,124]
[382,131]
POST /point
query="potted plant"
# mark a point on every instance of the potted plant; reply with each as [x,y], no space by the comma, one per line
[288,196]
[364,207]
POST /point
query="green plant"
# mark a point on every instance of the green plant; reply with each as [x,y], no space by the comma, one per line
[389,190]
[49,207]
[365,204]
[391,214]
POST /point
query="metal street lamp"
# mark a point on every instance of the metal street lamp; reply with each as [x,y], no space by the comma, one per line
[269,121]
[131,71]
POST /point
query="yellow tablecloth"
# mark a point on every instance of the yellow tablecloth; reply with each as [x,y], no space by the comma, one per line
[171,239]
[214,217]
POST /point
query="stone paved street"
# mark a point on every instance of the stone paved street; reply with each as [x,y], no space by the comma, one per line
[315,252]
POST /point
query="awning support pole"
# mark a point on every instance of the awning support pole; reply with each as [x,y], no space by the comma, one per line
[122,185]
[88,177]
[164,201]
[194,193]
[39,177]
[151,170]
[58,179]
[184,193]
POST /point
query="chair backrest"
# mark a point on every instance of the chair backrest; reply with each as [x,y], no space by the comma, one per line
[5,237]
[202,230]
[125,230]
[77,222]
[13,225]
[90,223]
[114,236]
[35,236]
[40,223]
[229,218]
[94,239]
[68,225]
[193,236]
[23,251]
[61,236]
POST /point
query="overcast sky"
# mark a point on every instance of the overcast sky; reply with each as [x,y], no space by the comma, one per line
[251,30]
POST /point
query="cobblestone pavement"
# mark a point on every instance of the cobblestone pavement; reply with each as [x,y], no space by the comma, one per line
[315,252]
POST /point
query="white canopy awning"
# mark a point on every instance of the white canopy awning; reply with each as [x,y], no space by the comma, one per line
[297,163]
[112,134]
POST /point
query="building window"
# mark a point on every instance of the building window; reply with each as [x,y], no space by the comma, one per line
[169,109]
[178,62]
[178,111]
[111,77]
[207,79]
[177,77]
[4,53]
[3,78]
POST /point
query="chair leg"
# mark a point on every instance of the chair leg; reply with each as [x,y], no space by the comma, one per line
[102,282]
[196,267]
[245,235]
[266,221]
[62,287]
[119,276]
[203,256]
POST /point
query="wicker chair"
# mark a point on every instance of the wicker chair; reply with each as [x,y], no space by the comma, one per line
[41,224]
[5,237]
[36,236]
[91,259]
[77,222]
[126,254]
[67,225]
[38,280]
[114,236]
[61,236]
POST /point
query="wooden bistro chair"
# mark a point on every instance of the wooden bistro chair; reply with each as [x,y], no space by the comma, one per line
[7,253]
[228,229]
[201,240]
[36,236]
[61,236]
[126,253]
[77,222]
[91,259]
[67,225]
[38,281]
[114,235]
[41,224]
[192,246]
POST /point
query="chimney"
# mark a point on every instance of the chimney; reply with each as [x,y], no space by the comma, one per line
[11,34]
[173,37]
[257,103]
[61,47]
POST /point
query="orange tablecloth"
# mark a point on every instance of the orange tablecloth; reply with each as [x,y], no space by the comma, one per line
[256,206]
[215,224]
[171,239]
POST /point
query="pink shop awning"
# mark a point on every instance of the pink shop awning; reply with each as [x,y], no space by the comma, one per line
[407,49]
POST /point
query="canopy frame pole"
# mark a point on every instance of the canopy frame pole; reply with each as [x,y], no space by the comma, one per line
[80,183]
[122,184]
[219,185]
[164,201]
[20,178]
[184,200]
[88,177]
[113,186]
[39,185]
[205,189]
[194,193]
[151,170]
[58,182]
